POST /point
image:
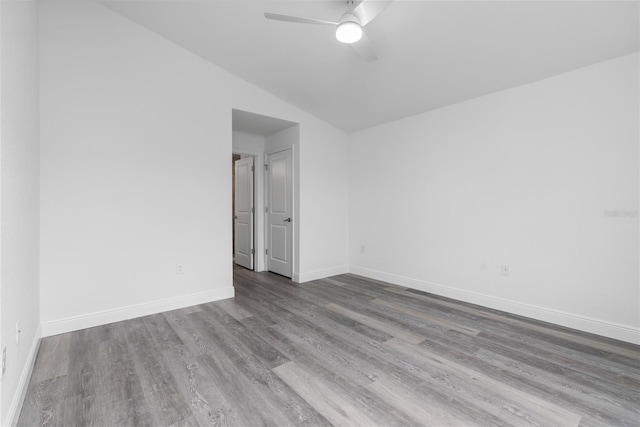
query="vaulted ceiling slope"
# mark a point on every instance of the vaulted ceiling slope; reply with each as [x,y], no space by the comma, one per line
[431,53]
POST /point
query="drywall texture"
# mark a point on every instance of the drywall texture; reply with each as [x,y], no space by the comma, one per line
[19,196]
[136,143]
[542,178]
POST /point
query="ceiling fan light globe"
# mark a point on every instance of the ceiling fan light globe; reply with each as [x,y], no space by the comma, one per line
[349,32]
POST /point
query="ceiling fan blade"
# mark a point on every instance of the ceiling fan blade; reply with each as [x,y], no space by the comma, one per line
[297,19]
[368,10]
[364,48]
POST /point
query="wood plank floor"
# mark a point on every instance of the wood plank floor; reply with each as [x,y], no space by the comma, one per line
[344,351]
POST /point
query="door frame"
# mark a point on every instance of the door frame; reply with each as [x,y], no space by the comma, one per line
[259,194]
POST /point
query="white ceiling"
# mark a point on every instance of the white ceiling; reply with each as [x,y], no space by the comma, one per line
[431,53]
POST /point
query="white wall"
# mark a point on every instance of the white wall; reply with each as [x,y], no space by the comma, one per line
[522,177]
[283,140]
[136,141]
[20,292]
[244,142]
[323,183]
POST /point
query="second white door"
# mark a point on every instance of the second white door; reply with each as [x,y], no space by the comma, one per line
[280,213]
[243,215]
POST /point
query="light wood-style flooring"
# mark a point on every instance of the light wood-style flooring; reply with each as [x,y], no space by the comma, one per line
[344,351]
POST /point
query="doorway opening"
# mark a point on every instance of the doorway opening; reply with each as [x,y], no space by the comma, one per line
[264,202]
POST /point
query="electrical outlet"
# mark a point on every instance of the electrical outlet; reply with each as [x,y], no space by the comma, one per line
[179,269]
[4,360]
[18,332]
[504,270]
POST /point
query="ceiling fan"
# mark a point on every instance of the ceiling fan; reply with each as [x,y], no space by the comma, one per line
[349,28]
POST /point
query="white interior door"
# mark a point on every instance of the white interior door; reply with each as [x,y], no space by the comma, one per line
[280,212]
[243,215]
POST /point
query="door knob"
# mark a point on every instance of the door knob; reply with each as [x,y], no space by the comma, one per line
[287,220]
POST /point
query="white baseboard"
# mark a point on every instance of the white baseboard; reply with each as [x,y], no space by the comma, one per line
[90,320]
[574,321]
[23,382]
[319,274]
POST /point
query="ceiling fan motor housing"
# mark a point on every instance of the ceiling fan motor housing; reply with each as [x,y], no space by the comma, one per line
[349,17]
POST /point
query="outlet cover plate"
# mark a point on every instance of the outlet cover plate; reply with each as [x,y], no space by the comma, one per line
[504,269]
